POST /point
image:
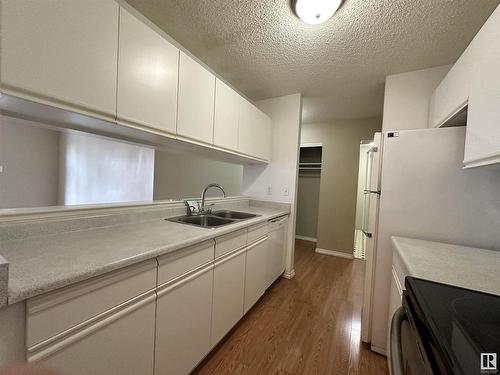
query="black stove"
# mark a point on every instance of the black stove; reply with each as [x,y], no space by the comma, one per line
[458,329]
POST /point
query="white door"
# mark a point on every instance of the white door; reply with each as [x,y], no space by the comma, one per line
[61,52]
[196,101]
[183,321]
[147,76]
[121,343]
[256,272]
[229,289]
[227,105]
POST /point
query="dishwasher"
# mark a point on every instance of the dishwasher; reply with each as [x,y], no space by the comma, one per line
[277,243]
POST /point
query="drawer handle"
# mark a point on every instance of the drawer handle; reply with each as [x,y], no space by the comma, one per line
[257,243]
[180,280]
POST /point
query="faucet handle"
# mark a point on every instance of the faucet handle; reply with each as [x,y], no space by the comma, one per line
[193,207]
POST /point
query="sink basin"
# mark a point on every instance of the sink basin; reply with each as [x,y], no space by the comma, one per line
[235,215]
[205,221]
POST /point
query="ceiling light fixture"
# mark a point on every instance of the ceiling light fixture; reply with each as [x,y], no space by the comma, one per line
[315,12]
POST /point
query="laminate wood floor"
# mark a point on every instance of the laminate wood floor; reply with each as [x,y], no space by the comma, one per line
[308,325]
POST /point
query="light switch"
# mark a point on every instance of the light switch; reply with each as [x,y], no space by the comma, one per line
[285,191]
[270,190]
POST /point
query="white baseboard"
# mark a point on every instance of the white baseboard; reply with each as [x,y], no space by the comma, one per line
[311,239]
[334,253]
[378,350]
[289,275]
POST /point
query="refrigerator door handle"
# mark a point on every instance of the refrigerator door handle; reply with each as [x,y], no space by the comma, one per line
[367,234]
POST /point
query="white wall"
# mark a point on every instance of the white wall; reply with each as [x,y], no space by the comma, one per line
[101,170]
[29,156]
[184,176]
[407,96]
[282,171]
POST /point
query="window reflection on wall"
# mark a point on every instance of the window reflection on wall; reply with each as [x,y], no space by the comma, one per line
[98,170]
[45,167]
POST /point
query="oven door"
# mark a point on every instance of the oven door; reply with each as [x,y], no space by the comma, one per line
[406,356]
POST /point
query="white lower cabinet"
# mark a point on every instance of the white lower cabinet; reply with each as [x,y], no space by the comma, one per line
[183,322]
[228,294]
[120,343]
[124,323]
[256,272]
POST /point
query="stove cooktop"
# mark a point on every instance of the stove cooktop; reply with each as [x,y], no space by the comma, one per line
[459,328]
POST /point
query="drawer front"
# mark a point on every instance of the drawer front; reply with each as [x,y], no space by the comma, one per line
[184,260]
[119,343]
[55,312]
[256,232]
[230,242]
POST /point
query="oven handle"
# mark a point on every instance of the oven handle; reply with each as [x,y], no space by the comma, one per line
[397,365]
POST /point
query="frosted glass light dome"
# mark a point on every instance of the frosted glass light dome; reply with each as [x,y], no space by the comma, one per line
[315,12]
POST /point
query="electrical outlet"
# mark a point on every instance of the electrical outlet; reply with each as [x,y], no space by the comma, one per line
[285,191]
[270,190]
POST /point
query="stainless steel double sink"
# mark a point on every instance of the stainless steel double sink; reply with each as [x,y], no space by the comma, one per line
[213,219]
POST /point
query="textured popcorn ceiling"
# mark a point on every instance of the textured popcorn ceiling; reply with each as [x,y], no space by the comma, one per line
[261,48]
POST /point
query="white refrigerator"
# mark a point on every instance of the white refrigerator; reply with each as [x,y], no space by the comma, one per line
[425,194]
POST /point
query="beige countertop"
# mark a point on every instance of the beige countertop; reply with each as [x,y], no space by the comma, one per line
[462,266]
[41,264]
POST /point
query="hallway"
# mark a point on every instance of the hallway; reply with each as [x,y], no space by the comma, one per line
[308,325]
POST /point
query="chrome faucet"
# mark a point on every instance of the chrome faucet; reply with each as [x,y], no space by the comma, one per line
[202,208]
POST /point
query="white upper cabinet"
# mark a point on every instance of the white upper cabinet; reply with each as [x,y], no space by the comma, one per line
[147,76]
[227,105]
[196,101]
[451,95]
[255,131]
[61,52]
[474,81]
[482,141]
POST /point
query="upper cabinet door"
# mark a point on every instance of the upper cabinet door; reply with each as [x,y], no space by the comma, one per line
[61,52]
[195,118]
[147,76]
[227,103]
[255,131]
[482,140]
[451,95]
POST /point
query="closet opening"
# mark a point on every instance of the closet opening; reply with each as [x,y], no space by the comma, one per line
[308,191]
